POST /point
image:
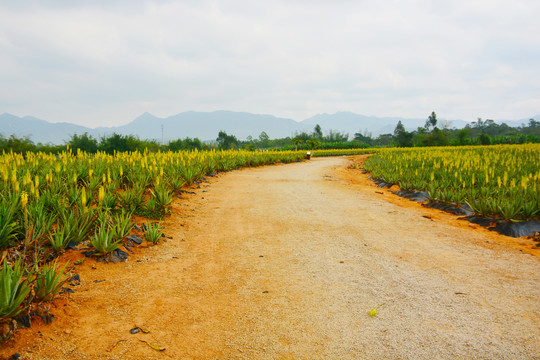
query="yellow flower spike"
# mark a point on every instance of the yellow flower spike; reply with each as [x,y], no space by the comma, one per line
[101,194]
[24,200]
[524,183]
[83,198]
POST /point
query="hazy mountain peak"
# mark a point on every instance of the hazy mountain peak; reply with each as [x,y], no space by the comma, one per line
[206,125]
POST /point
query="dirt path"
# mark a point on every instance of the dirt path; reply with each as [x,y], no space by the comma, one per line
[285,262]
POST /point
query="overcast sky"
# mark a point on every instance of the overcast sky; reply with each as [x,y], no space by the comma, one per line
[104,62]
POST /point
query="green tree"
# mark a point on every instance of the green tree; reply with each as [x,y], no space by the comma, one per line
[364,137]
[226,141]
[264,139]
[384,140]
[19,145]
[83,142]
[264,136]
[121,143]
[402,137]
[296,140]
[436,137]
[313,143]
[463,136]
[336,137]
[484,139]
[317,132]
[304,136]
[431,122]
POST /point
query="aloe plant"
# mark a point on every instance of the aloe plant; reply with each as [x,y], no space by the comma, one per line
[110,201]
[121,224]
[77,225]
[58,239]
[163,197]
[153,233]
[103,240]
[8,224]
[130,199]
[14,289]
[39,222]
[49,281]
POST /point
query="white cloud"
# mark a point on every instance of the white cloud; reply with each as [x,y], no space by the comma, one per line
[106,62]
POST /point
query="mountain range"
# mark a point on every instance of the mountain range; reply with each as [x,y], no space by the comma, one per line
[206,125]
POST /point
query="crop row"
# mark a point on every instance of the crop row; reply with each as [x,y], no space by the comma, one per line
[343,152]
[495,181]
[49,201]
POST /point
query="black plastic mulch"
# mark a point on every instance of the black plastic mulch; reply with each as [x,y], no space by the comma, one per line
[508,228]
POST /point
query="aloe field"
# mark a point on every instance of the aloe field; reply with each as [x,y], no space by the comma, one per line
[48,202]
[495,181]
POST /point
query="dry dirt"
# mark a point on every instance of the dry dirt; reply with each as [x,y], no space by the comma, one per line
[286,262]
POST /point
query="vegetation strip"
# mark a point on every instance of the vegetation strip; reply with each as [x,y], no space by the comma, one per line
[500,183]
[50,203]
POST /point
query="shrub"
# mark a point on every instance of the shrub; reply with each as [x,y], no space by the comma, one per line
[153,233]
[49,282]
[14,289]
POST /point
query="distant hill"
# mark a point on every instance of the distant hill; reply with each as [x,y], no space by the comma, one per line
[38,130]
[206,125]
[351,123]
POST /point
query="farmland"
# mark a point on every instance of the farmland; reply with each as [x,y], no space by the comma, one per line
[48,202]
[51,202]
[495,181]
[281,261]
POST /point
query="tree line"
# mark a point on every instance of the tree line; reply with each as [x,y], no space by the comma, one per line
[481,132]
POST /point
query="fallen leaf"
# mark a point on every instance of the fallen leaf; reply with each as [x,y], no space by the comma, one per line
[155,347]
[142,329]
